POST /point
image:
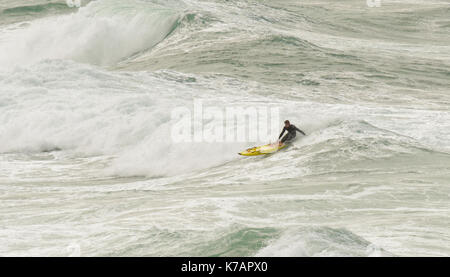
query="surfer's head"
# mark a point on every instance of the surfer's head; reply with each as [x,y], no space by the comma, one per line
[287,123]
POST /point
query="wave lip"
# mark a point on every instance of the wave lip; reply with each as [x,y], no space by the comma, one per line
[20,10]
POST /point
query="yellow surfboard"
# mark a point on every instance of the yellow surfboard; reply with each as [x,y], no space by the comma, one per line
[263,150]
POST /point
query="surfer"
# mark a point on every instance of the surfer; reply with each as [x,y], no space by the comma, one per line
[292,132]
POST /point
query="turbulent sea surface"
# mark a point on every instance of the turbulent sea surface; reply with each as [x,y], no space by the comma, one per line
[87,166]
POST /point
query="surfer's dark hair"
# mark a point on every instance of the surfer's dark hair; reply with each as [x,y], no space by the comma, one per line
[287,121]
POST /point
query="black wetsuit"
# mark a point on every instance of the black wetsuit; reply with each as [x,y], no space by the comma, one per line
[291,133]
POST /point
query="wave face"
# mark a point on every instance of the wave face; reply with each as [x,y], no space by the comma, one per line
[86,102]
[101,33]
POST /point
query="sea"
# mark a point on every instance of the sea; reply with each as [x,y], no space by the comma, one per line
[89,97]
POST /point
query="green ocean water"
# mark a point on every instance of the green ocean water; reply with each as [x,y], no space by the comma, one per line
[87,166]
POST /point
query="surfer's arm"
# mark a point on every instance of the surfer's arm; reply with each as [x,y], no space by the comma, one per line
[300,131]
[282,132]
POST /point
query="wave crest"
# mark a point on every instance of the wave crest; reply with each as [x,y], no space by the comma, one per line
[101,33]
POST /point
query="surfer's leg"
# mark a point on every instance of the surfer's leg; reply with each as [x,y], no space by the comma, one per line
[286,137]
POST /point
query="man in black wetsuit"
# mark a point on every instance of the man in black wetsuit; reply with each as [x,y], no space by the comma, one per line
[291,132]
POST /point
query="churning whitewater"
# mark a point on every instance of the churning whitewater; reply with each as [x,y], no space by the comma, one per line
[88,166]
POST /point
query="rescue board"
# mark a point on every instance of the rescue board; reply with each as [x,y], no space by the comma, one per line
[263,150]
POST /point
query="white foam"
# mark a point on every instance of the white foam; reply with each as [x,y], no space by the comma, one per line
[320,242]
[86,111]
